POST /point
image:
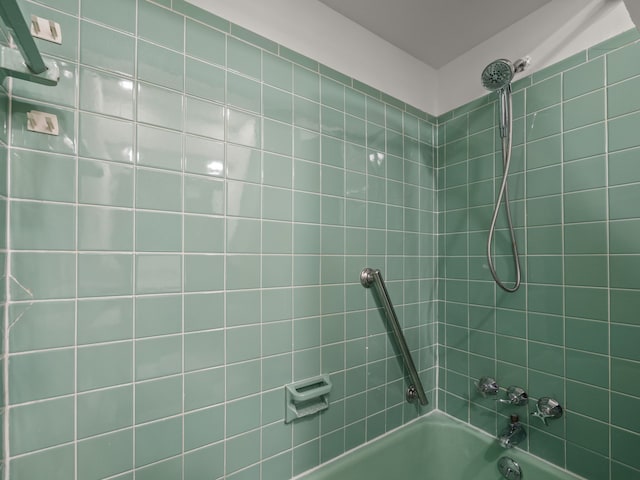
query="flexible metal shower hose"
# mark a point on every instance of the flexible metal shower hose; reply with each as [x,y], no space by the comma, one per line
[507,141]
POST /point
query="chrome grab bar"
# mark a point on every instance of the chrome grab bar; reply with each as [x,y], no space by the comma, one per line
[369,277]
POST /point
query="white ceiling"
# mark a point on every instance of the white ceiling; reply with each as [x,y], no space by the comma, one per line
[435,31]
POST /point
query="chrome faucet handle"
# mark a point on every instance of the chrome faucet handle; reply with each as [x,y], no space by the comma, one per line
[487,386]
[515,396]
[547,408]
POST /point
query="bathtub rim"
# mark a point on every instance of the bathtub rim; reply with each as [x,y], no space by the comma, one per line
[423,418]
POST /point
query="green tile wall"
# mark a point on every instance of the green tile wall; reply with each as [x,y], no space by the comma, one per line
[192,241]
[572,330]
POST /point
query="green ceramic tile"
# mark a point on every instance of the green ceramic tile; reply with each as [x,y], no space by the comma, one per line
[624,377]
[161,26]
[585,174]
[105,139]
[623,305]
[203,234]
[159,106]
[242,379]
[204,118]
[623,447]
[544,182]
[623,342]
[547,151]
[40,326]
[42,176]
[158,232]
[623,63]
[56,464]
[584,142]
[620,271]
[205,461]
[332,93]
[91,361]
[243,199]
[589,270]
[244,58]
[278,171]
[39,425]
[42,275]
[584,110]
[277,71]
[203,311]
[242,451]
[41,375]
[204,80]
[277,104]
[585,238]
[587,206]
[619,235]
[204,157]
[243,272]
[543,123]
[41,226]
[278,137]
[622,132]
[203,195]
[104,274]
[544,211]
[205,43]
[621,201]
[105,411]
[160,66]
[158,273]
[561,66]
[93,236]
[204,388]
[158,399]
[158,315]
[584,462]
[243,415]
[244,93]
[583,79]
[545,298]
[106,455]
[621,98]
[588,400]
[203,350]
[103,183]
[586,303]
[166,469]
[120,14]
[157,357]
[159,148]
[157,441]
[243,128]
[276,238]
[587,335]
[587,367]
[106,49]
[623,407]
[158,190]
[105,320]
[544,94]
[243,235]
[198,276]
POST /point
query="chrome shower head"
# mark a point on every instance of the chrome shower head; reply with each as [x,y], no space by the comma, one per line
[498,74]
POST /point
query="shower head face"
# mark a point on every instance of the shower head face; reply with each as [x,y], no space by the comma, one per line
[497,75]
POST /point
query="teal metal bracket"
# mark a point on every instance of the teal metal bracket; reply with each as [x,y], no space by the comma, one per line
[12,65]
[27,63]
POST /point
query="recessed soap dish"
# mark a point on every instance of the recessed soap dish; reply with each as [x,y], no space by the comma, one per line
[306,397]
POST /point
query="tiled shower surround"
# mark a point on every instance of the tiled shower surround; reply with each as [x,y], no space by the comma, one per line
[193,239]
[572,331]
[192,242]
